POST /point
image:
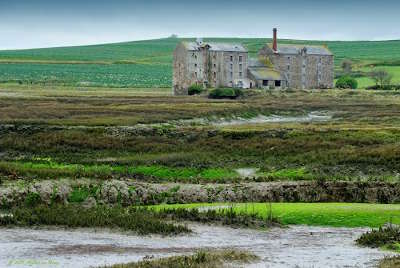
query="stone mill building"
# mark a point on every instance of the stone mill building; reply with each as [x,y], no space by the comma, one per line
[229,65]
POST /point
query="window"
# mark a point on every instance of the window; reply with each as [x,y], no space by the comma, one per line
[231,75]
[215,75]
[195,65]
[240,74]
[265,82]
[240,67]
[195,74]
[278,83]
[215,65]
[195,56]
[231,58]
[288,67]
[231,66]
[240,58]
[288,58]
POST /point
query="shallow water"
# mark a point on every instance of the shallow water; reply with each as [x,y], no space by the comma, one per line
[297,246]
[310,117]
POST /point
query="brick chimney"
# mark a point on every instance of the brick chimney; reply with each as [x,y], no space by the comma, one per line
[275,41]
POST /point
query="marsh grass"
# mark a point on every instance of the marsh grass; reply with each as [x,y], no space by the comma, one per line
[360,143]
[387,237]
[142,220]
[139,220]
[229,217]
[201,259]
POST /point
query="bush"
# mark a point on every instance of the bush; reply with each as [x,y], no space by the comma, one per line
[384,87]
[195,89]
[346,82]
[225,93]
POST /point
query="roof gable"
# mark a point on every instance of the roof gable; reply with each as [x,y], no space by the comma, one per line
[296,49]
[193,46]
[265,73]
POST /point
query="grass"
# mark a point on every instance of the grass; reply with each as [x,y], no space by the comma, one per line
[139,220]
[45,170]
[316,214]
[201,259]
[142,220]
[148,63]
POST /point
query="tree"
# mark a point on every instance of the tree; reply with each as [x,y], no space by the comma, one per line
[347,66]
[381,77]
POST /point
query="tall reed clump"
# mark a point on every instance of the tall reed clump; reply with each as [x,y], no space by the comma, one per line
[387,237]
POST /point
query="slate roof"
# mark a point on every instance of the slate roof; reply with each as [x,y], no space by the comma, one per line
[265,73]
[296,49]
[255,63]
[193,46]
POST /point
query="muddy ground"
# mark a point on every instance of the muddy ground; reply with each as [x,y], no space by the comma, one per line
[297,246]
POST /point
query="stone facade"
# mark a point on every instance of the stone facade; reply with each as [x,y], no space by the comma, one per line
[304,67]
[228,65]
[209,65]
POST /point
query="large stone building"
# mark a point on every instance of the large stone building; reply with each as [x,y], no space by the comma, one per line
[229,65]
[208,64]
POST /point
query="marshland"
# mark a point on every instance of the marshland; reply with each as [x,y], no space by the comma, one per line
[101,166]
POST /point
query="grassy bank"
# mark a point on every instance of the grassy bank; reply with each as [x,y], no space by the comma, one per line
[318,214]
[202,259]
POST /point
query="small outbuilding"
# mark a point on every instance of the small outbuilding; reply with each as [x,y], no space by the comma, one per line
[265,77]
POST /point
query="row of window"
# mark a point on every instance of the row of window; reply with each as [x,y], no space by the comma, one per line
[215,75]
[240,58]
[231,66]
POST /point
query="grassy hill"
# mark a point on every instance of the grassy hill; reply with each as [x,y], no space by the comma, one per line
[148,63]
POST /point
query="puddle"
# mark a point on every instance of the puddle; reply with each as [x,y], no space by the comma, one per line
[246,172]
[298,246]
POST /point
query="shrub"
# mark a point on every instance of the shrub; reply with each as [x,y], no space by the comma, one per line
[384,87]
[195,89]
[346,82]
[225,93]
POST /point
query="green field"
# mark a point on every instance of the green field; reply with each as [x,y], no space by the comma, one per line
[318,214]
[149,63]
